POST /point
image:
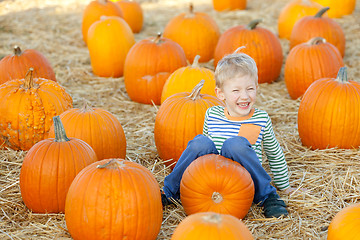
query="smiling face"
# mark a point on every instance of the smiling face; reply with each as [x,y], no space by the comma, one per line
[239,94]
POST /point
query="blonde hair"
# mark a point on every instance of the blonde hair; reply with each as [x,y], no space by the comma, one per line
[235,64]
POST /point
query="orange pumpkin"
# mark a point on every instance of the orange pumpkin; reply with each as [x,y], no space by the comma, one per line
[147,66]
[133,14]
[292,12]
[338,8]
[15,66]
[260,44]
[345,224]
[308,62]
[317,26]
[94,10]
[179,119]
[27,108]
[213,183]
[114,199]
[49,168]
[185,79]
[329,113]
[98,127]
[109,41]
[196,32]
[211,226]
[228,5]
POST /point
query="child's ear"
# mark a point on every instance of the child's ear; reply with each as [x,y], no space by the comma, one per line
[220,95]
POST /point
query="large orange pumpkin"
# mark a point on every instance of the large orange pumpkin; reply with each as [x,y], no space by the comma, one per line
[133,14]
[186,78]
[196,32]
[98,127]
[94,10]
[114,199]
[260,44]
[229,5]
[345,224]
[27,108]
[109,40]
[213,183]
[15,66]
[292,12]
[179,119]
[147,66]
[211,226]
[308,62]
[338,8]
[49,168]
[329,113]
[317,26]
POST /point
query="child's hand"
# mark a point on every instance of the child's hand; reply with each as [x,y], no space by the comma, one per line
[291,190]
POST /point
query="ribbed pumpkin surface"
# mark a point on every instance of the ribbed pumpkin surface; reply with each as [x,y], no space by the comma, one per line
[213,183]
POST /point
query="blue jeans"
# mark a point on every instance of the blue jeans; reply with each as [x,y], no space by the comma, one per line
[236,148]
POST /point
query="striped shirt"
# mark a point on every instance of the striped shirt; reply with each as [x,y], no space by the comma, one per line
[257,128]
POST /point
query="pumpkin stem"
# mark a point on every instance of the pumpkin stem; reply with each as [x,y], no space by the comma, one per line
[103,1]
[191,8]
[196,91]
[217,197]
[112,164]
[321,12]
[195,63]
[252,25]
[212,218]
[239,48]
[17,51]
[157,40]
[60,135]
[316,40]
[342,75]
[29,81]
[86,107]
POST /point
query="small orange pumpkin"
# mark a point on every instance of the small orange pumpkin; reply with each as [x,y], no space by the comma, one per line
[27,108]
[229,5]
[329,113]
[49,168]
[338,8]
[147,66]
[133,14]
[114,199]
[185,79]
[15,66]
[196,32]
[179,119]
[260,44]
[109,40]
[98,127]
[308,62]
[213,183]
[94,10]
[345,224]
[317,26]
[292,12]
[211,226]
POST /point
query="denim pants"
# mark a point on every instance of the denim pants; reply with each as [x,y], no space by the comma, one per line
[236,148]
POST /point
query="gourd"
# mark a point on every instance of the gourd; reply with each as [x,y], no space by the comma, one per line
[213,183]
[49,167]
[114,199]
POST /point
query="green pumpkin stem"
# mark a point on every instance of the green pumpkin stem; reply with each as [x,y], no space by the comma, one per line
[196,91]
[316,40]
[29,80]
[195,63]
[252,25]
[17,51]
[321,12]
[342,75]
[60,135]
[112,164]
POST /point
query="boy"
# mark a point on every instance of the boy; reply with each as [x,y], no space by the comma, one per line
[239,132]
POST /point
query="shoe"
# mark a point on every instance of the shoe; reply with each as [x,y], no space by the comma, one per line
[164,200]
[274,206]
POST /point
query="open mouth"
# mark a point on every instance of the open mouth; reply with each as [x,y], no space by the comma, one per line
[243,105]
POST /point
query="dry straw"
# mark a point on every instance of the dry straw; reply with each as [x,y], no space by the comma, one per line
[54,28]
